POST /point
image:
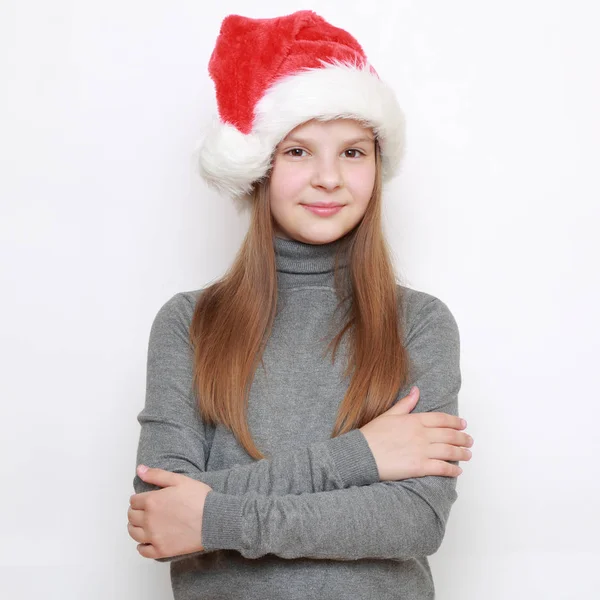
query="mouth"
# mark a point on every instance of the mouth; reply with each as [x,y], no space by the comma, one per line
[324,209]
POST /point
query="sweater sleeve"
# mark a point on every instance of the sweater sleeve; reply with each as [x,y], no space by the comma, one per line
[172,435]
[389,519]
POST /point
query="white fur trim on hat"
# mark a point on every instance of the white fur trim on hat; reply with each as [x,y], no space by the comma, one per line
[232,161]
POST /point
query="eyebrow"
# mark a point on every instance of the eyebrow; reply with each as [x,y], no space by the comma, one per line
[351,142]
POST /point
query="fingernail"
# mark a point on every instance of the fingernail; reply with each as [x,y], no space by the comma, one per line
[413,390]
[142,469]
[463,422]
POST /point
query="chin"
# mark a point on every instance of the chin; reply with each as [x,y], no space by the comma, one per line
[320,236]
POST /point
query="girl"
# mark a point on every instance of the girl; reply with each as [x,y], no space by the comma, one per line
[278,470]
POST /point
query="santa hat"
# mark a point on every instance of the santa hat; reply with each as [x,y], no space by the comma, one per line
[272,75]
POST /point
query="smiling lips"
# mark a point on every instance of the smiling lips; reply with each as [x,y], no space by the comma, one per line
[324,209]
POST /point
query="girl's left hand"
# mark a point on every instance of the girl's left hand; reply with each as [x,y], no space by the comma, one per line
[167,522]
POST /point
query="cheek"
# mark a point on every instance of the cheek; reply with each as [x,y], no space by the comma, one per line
[286,182]
[361,182]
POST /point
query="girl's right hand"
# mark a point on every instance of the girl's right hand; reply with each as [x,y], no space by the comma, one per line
[414,445]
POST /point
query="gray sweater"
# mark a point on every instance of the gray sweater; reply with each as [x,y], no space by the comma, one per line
[313,520]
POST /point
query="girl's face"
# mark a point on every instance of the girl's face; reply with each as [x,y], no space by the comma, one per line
[322,162]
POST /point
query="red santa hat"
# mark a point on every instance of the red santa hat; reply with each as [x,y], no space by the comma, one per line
[272,75]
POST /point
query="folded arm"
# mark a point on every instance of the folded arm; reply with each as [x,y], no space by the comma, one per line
[172,435]
[315,507]
[390,519]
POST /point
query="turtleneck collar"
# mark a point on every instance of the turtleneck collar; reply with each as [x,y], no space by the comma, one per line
[300,264]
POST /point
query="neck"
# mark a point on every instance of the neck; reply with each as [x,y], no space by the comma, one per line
[306,265]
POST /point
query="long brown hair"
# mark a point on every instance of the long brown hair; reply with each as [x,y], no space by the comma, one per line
[233,318]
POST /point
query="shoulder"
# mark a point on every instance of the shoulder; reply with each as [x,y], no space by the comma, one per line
[422,312]
[178,309]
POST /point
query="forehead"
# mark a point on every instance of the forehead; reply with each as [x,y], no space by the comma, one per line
[336,127]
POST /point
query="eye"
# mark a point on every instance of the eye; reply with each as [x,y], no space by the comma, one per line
[292,150]
[358,152]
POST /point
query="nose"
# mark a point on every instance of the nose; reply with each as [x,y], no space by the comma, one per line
[327,174]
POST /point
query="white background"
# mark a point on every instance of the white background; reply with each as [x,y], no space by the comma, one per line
[104,217]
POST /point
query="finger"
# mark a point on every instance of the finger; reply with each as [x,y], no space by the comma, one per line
[138,501]
[447,435]
[404,405]
[160,477]
[136,517]
[148,551]
[448,452]
[442,468]
[440,419]
[138,533]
